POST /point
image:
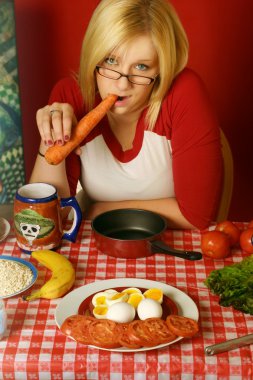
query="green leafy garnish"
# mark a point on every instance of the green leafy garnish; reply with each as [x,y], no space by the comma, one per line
[234,285]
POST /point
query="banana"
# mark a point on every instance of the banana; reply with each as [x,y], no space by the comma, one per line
[62,279]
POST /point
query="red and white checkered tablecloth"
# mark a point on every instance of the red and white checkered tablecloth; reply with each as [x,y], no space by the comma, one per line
[34,348]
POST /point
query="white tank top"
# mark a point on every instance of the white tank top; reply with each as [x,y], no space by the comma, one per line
[147,176]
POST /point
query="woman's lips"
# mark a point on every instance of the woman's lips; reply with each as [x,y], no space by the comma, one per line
[121,101]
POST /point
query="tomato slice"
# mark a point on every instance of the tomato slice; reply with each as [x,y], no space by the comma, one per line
[124,338]
[76,326]
[159,330]
[182,326]
[66,327]
[103,333]
[139,335]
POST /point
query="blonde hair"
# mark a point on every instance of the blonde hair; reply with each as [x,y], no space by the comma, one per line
[117,22]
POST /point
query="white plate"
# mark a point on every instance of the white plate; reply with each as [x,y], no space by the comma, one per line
[4,229]
[69,305]
[27,264]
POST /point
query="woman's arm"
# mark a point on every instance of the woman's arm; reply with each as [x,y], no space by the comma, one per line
[196,150]
[55,128]
[167,207]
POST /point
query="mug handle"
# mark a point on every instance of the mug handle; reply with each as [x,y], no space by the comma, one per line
[71,234]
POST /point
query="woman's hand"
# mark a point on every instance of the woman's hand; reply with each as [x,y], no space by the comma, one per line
[55,122]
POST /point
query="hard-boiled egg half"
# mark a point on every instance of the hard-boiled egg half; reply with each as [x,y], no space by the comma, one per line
[100,312]
[99,299]
[117,297]
[131,290]
[155,294]
[102,298]
[135,298]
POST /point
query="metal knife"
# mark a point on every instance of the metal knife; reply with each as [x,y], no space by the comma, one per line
[228,345]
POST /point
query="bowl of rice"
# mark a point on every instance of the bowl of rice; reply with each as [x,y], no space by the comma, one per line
[16,276]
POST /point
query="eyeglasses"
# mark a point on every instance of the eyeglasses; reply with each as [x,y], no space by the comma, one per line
[115,75]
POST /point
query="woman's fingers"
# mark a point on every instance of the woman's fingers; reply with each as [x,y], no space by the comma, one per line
[43,119]
[68,121]
[55,123]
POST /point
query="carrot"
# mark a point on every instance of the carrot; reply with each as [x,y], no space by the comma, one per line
[57,153]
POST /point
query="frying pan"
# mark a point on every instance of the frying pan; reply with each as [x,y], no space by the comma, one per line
[134,233]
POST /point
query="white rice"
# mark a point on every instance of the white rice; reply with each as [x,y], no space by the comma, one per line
[14,277]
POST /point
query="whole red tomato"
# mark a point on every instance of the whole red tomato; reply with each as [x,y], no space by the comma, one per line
[231,230]
[215,244]
[250,225]
[246,240]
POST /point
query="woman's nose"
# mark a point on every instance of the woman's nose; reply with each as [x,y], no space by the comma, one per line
[123,83]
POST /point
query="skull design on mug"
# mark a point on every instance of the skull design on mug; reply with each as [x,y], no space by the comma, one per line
[29,231]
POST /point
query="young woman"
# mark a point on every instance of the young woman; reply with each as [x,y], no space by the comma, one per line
[159,146]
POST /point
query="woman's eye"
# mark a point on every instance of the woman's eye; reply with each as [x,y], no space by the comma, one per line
[110,61]
[141,67]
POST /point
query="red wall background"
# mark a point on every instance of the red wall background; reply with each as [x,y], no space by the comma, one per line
[49,35]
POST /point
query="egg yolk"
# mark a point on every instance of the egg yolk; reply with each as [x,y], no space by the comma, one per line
[135,298]
[155,294]
[100,311]
[101,300]
[116,296]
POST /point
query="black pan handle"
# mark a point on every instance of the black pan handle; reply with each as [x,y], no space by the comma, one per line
[158,246]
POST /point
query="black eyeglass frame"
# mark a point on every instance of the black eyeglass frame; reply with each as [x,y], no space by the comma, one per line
[128,76]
